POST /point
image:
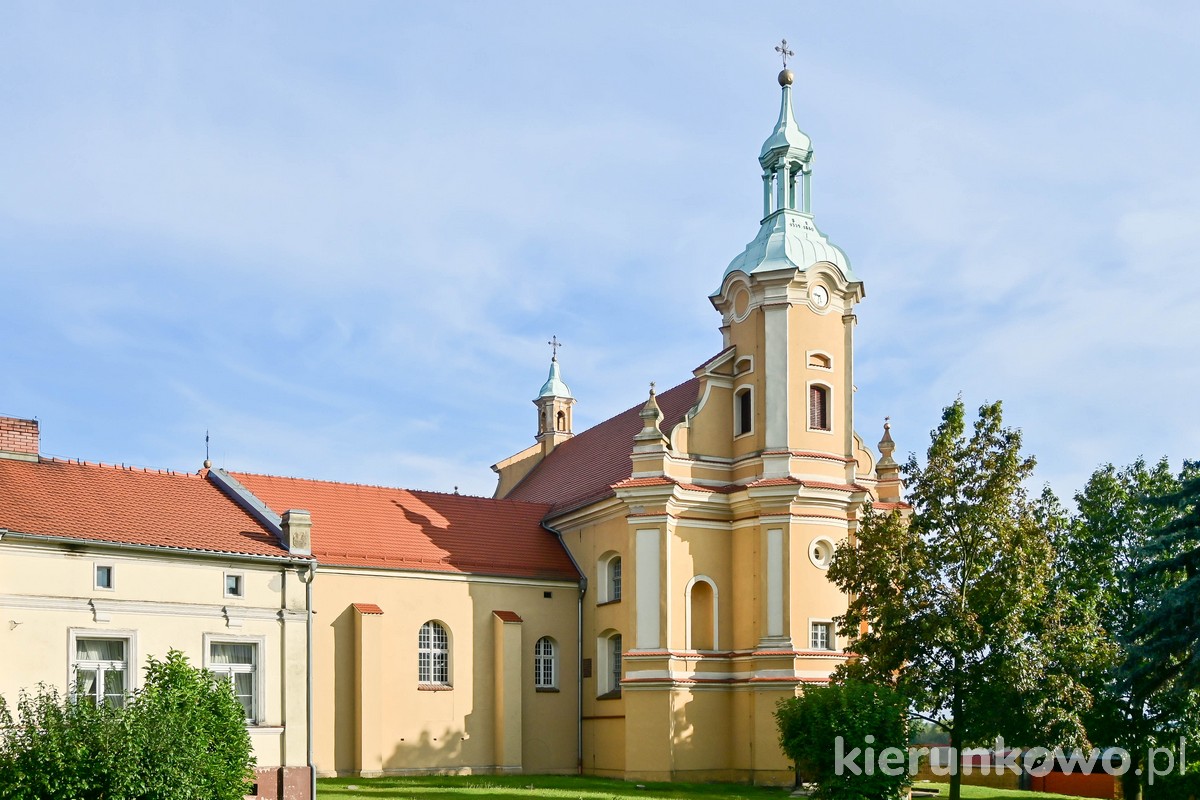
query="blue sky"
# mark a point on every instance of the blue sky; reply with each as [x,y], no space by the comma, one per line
[338,236]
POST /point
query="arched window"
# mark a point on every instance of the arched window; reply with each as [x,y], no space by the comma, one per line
[608,674]
[562,421]
[608,574]
[818,408]
[433,655]
[702,614]
[545,668]
[743,411]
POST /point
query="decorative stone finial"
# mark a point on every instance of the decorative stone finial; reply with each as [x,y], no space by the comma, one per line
[651,416]
[886,445]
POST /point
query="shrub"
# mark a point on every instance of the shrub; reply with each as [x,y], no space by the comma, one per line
[183,736]
[810,725]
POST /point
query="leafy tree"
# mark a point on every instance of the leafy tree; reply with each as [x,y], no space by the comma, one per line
[1102,581]
[190,734]
[1169,635]
[183,736]
[864,716]
[951,605]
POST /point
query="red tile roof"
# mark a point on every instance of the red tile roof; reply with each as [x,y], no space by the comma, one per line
[584,468]
[508,616]
[69,499]
[376,526]
[367,608]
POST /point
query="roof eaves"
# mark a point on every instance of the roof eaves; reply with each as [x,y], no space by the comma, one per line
[49,538]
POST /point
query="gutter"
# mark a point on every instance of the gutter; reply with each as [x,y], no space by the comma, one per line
[583,584]
[311,572]
[148,548]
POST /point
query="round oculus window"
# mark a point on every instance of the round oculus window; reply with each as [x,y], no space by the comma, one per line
[820,552]
[741,303]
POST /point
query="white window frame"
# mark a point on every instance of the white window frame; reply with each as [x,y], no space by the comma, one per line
[129,667]
[432,678]
[605,576]
[829,420]
[743,389]
[825,543]
[112,576]
[241,582]
[545,663]
[609,646]
[830,634]
[808,358]
[259,672]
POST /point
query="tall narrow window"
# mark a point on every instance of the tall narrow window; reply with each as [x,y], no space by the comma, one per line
[614,662]
[818,408]
[545,670]
[614,579]
[433,655]
[99,670]
[743,412]
[237,661]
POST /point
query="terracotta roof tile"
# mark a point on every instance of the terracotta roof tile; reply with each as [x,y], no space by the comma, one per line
[882,506]
[70,499]
[377,526]
[367,608]
[508,616]
[584,468]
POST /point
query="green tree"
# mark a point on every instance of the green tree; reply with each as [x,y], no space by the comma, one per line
[1165,653]
[951,605]
[182,737]
[1102,582]
[863,716]
[190,734]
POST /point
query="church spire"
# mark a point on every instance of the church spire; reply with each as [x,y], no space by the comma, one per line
[788,237]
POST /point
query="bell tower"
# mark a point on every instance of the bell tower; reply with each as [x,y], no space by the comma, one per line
[787,309]
[554,403]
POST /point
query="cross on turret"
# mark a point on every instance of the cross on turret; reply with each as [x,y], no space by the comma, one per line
[554,345]
[783,51]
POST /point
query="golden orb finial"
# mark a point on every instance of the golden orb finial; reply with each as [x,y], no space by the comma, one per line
[786,77]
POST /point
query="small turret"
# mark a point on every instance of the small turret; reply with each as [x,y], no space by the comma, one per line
[887,471]
[554,403]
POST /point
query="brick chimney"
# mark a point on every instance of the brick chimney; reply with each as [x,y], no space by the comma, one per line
[19,438]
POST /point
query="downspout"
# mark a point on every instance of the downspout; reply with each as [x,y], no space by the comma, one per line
[578,650]
[311,572]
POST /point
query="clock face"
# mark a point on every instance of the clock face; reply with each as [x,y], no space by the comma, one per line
[820,296]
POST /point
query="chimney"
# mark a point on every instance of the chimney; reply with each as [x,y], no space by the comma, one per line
[19,438]
[297,531]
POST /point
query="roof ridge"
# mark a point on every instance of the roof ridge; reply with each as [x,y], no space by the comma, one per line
[386,488]
[122,467]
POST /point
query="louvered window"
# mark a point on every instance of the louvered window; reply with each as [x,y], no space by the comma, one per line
[818,408]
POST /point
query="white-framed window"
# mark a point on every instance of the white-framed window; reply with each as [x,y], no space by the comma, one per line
[818,408]
[818,359]
[104,577]
[820,635]
[433,655]
[238,660]
[820,552]
[235,584]
[609,649]
[743,411]
[100,666]
[609,574]
[545,664]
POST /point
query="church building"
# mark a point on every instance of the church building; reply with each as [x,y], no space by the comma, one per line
[633,601]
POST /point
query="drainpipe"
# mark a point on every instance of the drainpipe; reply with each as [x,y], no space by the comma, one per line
[578,650]
[311,572]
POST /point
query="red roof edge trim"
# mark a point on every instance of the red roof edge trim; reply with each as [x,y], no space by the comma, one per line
[507,616]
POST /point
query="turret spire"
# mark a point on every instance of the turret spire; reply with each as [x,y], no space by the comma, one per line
[554,403]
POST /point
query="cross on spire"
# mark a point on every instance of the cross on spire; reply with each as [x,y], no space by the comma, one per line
[783,51]
[554,345]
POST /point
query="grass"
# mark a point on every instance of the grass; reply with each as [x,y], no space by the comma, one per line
[985,793]
[525,787]
[569,787]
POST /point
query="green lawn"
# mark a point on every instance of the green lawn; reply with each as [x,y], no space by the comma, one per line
[525,787]
[984,793]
